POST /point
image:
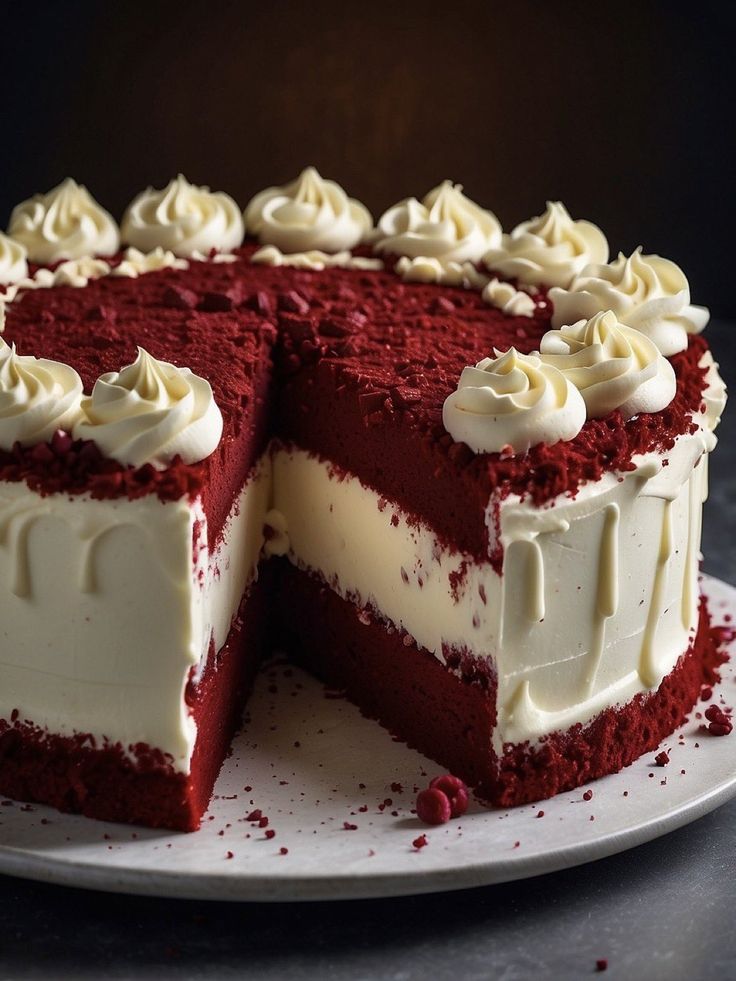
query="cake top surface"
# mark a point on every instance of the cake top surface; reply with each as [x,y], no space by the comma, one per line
[382,342]
[400,345]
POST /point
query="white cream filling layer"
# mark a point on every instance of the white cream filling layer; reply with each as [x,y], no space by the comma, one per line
[105,613]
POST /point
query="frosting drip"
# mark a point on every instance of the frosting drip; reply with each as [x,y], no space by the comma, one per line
[13,263]
[151,412]
[443,225]
[65,223]
[613,366]
[37,397]
[550,249]
[647,292]
[515,400]
[310,213]
[184,219]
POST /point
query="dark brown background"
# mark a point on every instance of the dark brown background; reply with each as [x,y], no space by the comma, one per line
[624,111]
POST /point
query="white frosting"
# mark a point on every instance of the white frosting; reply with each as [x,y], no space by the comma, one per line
[76,272]
[37,397]
[65,223]
[507,298]
[150,412]
[135,263]
[613,366]
[127,611]
[446,272]
[513,401]
[310,213]
[443,225]
[13,261]
[184,219]
[315,260]
[218,258]
[551,249]
[647,292]
[79,272]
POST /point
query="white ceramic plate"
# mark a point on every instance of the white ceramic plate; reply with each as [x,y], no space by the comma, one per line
[338,792]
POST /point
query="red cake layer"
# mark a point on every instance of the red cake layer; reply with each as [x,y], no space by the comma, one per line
[365,362]
[77,776]
[449,714]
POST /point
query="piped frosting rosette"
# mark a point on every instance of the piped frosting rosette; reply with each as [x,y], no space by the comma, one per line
[65,223]
[37,397]
[612,365]
[444,225]
[549,250]
[151,412]
[13,261]
[184,219]
[310,213]
[647,292]
[513,400]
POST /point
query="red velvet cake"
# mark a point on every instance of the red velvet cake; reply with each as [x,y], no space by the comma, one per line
[456,473]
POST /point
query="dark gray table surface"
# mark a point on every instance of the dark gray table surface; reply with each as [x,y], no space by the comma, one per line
[664,910]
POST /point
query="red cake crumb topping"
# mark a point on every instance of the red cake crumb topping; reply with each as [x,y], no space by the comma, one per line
[446,797]
[77,467]
[719,724]
[588,795]
[433,807]
[455,790]
[662,759]
[420,842]
[601,964]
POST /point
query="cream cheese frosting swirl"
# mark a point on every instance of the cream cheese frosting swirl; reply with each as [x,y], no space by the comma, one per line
[37,397]
[513,400]
[444,225]
[184,219]
[13,261]
[549,250]
[613,366]
[65,223]
[647,292]
[310,213]
[151,412]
